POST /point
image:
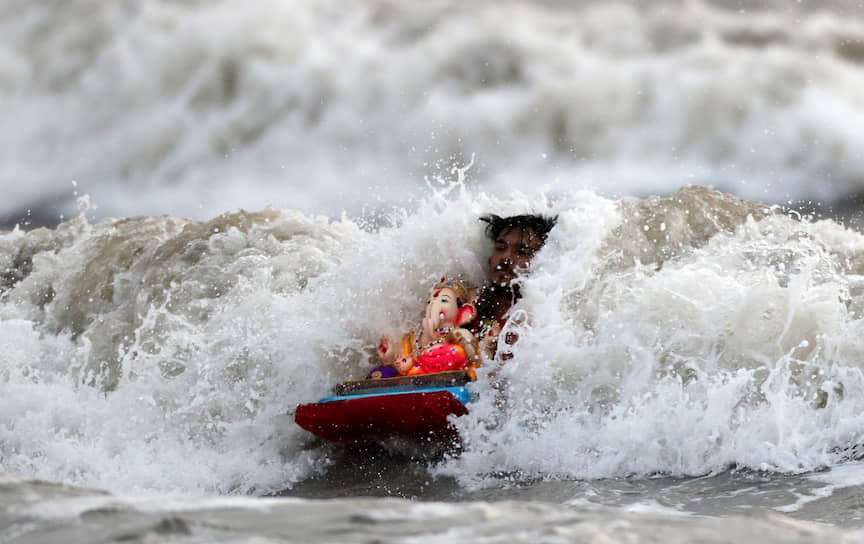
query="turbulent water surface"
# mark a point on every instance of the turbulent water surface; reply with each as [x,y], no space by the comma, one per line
[680,356]
[689,364]
[193,107]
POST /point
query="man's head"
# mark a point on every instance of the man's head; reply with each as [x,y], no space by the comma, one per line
[517,239]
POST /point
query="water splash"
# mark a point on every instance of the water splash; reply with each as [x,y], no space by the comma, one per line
[157,353]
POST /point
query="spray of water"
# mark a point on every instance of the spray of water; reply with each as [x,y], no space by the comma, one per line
[677,335]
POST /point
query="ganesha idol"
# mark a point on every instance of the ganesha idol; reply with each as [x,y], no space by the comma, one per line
[441,344]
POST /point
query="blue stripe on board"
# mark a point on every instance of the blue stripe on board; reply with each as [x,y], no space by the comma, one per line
[461,393]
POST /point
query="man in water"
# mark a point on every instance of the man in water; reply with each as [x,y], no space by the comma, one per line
[517,239]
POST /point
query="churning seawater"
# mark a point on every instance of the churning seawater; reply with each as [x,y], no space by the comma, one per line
[686,355]
[689,364]
[193,107]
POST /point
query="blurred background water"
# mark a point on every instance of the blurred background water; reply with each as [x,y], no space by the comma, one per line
[686,354]
[193,108]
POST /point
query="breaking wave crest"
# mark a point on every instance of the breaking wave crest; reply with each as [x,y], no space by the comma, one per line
[317,105]
[678,335]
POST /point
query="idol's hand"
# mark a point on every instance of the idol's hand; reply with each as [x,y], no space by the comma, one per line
[386,349]
[403,364]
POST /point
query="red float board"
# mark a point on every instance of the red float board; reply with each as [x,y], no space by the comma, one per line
[414,415]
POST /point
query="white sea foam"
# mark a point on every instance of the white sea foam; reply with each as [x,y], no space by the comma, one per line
[741,351]
[676,335]
[653,507]
[837,478]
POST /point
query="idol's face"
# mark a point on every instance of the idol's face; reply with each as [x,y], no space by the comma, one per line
[442,309]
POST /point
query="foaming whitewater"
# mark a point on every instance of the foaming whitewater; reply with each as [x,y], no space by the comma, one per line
[683,335]
[678,335]
[155,107]
[155,353]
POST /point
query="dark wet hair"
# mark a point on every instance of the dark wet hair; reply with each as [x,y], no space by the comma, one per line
[541,225]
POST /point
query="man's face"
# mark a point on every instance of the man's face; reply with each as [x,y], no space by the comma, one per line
[513,251]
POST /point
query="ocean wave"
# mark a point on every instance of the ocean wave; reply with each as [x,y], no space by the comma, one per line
[194,108]
[675,335]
